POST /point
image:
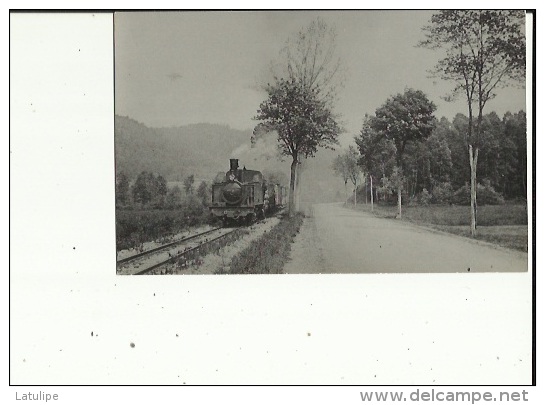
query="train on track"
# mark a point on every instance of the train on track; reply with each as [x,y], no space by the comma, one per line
[245,195]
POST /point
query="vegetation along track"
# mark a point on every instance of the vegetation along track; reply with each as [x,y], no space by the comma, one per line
[166,246]
[150,261]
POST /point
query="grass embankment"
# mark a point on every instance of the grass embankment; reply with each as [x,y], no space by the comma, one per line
[505,225]
[269,253]
[134,227]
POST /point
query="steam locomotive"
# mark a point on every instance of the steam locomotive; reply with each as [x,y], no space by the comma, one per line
[244,195]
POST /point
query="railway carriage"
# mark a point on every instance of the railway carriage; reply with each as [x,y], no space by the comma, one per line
[244,195]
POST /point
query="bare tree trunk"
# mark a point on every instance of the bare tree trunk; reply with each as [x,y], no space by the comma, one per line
[473,156]
[291,200]
[524,182]
[298,188]
[355,190]
[399,199]
[371,179]
[366,197]
[415,183]
[345,193]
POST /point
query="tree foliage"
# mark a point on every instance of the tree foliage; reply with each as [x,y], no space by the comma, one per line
[515,131]
[377,153]
[174,198]
[299,104]
[309,59]
[303,122]
[403,118]
[189,182]
[340,169]
[149,189]
[485,50]
[439,163]
[160,190]
[203,192]
[346,165]
[144,188]
[122,187]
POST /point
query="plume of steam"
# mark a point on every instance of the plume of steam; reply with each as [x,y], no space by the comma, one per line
[262,154]
[262,149]
[239,151]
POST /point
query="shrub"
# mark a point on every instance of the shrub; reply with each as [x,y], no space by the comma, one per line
[486,195]
[442,193]
[414,200]
[425,197]
[193,206]
[134,227]
[268,254]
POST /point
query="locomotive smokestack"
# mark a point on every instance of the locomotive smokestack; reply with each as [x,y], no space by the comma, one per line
[233,163]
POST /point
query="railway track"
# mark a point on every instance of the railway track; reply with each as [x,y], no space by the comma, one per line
[189,248]
[166,246]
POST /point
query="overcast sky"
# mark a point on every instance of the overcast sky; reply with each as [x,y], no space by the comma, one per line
[178,68]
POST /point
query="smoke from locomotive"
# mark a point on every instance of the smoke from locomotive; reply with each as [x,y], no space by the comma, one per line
[244,195]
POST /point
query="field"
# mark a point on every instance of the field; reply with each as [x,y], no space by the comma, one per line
[505,225]
[134,227]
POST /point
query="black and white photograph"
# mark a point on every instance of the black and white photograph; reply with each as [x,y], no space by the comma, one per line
[273,199]
[320,142]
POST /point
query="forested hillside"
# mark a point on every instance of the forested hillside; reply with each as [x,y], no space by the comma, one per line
[175,153]
[203,150]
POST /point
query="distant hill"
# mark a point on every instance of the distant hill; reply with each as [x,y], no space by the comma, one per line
[205,149]
[175,153]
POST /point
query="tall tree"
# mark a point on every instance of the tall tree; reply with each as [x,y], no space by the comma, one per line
[515,132]
[309,58]
[440,158]
[174,198]
[144,188]
[493,163]
[121,189]
[485,50]
[302,121]
[203,192]
[161,190]
[354,169]
[299,107]
[374,154]
[445,139]
[149,189]
[428,163]
[346,166]
[189,182]
[458,145]
[340,169]
[404,118]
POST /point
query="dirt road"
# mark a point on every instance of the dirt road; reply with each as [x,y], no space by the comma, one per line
[335,239]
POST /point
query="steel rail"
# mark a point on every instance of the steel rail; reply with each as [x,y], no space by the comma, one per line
[185,252]
[147,252]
